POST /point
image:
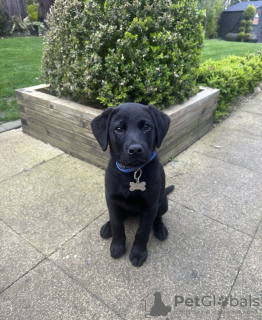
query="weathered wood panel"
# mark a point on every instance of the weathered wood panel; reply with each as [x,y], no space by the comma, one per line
[15,7]
[184,145]
[62,118]
[38,96]
[183,123]
[186,130]
[18,7]
[70,140]
[205,95]
[98,161]
[66,124]
[84,137]
[186,138]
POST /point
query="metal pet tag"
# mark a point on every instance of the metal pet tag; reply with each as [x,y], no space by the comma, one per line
[137,185]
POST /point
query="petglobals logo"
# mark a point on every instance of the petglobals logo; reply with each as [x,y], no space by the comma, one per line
[164,305]
[212,301]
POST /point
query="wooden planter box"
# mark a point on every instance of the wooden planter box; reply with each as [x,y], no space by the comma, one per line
[66,125]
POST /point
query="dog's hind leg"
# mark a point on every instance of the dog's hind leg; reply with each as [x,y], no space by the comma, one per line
[159,228]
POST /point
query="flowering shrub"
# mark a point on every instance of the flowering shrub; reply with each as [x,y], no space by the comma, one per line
[110,52]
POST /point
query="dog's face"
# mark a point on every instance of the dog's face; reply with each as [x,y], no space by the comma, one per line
[132,135]
[132,131]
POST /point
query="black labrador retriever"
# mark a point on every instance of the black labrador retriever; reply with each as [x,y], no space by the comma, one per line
[135,179]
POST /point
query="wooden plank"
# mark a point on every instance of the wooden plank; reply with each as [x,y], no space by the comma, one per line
[15,8]
[86,138]
[175,129]
[78,121]
[64,147]
[201,98]
[183,142]
[38,87]
[59,110]
[164,158]
[59,104]
[189,133]
[197,111]
[183,146]
[58,122]
[70,141]
[186,129]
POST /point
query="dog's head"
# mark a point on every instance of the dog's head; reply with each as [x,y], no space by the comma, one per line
[132,131]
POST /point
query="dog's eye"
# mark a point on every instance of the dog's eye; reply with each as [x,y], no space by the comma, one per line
[146,127]
[119,130]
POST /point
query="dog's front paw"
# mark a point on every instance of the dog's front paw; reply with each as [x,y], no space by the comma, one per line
[106,231]
[138,256]
[117,249]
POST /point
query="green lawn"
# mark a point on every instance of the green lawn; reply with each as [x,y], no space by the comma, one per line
[20,61]
[217,49]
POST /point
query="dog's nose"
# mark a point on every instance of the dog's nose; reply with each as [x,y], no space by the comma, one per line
[135,148]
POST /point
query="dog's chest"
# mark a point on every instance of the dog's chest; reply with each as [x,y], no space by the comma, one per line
[130,201]
[134,193]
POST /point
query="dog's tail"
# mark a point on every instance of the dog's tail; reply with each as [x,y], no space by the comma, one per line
[169,190]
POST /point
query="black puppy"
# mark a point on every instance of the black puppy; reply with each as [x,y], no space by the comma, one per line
[135,179]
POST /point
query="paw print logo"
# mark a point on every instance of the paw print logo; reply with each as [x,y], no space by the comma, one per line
[158,309]
[223,301]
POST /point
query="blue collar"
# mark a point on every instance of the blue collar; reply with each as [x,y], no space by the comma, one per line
[127,170]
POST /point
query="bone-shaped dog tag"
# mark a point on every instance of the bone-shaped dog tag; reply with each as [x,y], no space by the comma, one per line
[137,186]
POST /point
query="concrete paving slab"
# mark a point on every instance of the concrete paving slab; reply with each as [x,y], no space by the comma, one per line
[232,146]
[246,296]
[225,192]
[17,257]
[10,125]
[258,234]
[254,106]
[258,96]
[20,152]
[200,257]
[245,122]
[53,202]
[47,293]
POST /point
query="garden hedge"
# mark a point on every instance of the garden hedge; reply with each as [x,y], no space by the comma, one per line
[110,52]
[233,75]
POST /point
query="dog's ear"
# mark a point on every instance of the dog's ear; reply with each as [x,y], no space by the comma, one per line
[162,122]
[100,127]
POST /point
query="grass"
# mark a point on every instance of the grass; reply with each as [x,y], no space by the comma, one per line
[217,49]
[20,61]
